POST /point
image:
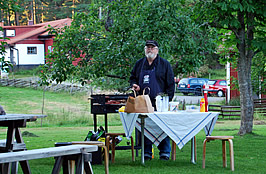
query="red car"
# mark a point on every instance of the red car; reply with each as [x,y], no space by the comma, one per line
[217,87]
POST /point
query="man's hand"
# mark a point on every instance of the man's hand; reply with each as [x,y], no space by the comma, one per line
[135,87]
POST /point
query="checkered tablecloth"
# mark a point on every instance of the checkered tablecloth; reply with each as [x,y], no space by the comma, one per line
[179,126]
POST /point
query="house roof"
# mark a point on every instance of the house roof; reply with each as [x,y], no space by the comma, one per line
[38,29]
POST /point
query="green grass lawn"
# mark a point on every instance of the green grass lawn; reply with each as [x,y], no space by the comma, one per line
[69,119]
[63,109]
[249,151]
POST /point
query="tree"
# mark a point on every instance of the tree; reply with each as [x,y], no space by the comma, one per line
[6,7]
[40,10]
[110,45]
[246,21]
[258,74]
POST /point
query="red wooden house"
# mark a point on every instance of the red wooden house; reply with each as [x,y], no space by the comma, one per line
[27,45]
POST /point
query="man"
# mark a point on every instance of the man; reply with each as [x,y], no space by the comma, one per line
[2,111]
[156,73]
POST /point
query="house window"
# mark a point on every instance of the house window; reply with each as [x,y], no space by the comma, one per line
[32,50]
[10,33]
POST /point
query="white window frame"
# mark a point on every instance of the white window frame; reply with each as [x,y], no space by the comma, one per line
[29,51]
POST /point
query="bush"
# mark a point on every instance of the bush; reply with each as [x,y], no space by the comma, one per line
[234,102]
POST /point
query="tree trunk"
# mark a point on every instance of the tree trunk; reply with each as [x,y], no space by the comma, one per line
[246,97]
[244,77]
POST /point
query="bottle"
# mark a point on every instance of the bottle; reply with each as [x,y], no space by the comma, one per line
[152,152]
[118,139]
[202,105]
[101,133]
[88,137]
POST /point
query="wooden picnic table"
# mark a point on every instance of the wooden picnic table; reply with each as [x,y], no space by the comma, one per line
[14,122]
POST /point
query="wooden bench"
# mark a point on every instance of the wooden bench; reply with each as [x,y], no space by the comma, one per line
[61,154]
[260,106]
[227,112]
[16,146]
[99,144]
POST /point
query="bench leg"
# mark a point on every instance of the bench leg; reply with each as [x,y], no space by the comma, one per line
[88,168]
[25,167]
[57,165]
[5,168]
[66,164]
[204,153]
[72,166]
[24,164]
[231,154]
[224,152]
[80,164]
[87,158]
[14,168]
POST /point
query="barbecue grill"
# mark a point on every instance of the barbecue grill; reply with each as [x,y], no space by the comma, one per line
[102,104]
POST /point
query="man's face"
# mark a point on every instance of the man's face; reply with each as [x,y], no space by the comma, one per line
[151,51]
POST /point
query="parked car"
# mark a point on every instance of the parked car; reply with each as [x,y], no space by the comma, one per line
[216,87]
[192,85]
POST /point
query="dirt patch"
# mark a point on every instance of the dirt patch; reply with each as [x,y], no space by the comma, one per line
[30,103]
[29,134]
[65,107]
[259,122]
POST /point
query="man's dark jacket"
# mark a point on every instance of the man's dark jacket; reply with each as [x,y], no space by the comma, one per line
[164,74]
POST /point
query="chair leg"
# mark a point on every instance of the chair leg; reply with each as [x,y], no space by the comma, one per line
[132,148]
[107,143]
[224,152]
[173,154]
[106,160]
[113,149]
[204,153]
[231,150]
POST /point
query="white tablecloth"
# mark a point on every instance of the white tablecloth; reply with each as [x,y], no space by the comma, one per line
[179,126]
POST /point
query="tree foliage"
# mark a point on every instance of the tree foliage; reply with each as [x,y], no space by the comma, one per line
[242,23]
[41,10]
[258,71]
[8,7]
[112,43]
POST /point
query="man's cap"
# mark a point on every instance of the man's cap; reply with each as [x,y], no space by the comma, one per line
[152,42]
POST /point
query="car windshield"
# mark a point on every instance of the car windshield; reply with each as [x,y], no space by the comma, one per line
[223,83]
[183,81]
[211,82]
[202,81]
[193,81]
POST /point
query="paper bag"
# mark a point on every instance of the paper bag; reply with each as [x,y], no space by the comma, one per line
[139,104]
